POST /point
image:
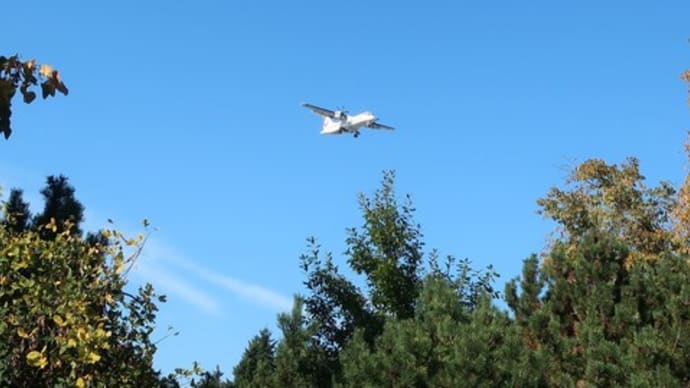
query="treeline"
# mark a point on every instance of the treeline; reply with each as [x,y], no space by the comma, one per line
[606,304]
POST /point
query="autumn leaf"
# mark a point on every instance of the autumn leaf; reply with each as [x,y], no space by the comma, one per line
[93,358]
[37,359]
[59,321]
[22,333]
[45,71]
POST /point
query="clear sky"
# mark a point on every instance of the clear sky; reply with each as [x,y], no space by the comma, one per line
[188,113]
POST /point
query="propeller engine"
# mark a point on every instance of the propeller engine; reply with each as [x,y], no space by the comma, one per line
[341,113]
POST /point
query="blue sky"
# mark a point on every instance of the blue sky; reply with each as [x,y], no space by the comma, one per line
[188,113]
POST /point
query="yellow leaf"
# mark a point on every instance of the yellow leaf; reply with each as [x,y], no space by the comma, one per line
[32,357]
[81,334]
[36,359]
[51,225]
[93,357]
[59,321]
[22,333]
[71,343]
[80,383]
[46,71]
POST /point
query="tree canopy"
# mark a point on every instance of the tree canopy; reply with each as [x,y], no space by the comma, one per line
[66,318]
[605,304]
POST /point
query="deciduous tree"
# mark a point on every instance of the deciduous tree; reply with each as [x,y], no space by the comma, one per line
[66,318]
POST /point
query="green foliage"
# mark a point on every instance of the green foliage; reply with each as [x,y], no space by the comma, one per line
[446,344]
[384,320]
[257,366]
[211,380]
[300,361]
[335,303]
[24,75]
[297,360]
[388,251]
[65,317]
[606,304]
[17,212]
[603,323]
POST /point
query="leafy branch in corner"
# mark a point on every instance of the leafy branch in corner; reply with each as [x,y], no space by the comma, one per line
[24,75]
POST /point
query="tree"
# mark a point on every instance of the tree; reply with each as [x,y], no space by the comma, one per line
[681,212]
[60,206]
[65,317]
[614,200]
[400,303]
[607,306]
[257,366]
[300,361]
[448,342]
[17,212]
[387,251]
[211,380]
[24,75]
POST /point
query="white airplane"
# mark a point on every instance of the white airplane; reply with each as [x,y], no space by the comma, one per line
[338,122]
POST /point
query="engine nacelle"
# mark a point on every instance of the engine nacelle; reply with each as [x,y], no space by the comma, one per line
[339,115]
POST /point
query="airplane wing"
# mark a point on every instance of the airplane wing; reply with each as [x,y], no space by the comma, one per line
[375,125]
[320,111]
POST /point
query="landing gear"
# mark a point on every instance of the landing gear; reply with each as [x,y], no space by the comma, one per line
[356,135]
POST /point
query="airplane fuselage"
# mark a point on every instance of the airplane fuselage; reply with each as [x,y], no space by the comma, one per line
[336,122]
[346,124]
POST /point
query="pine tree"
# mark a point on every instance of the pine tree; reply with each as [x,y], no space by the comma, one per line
[17,213]
[211,380]
[60,206]
[300,361]
[604,306]
[446,344]
[257,366]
